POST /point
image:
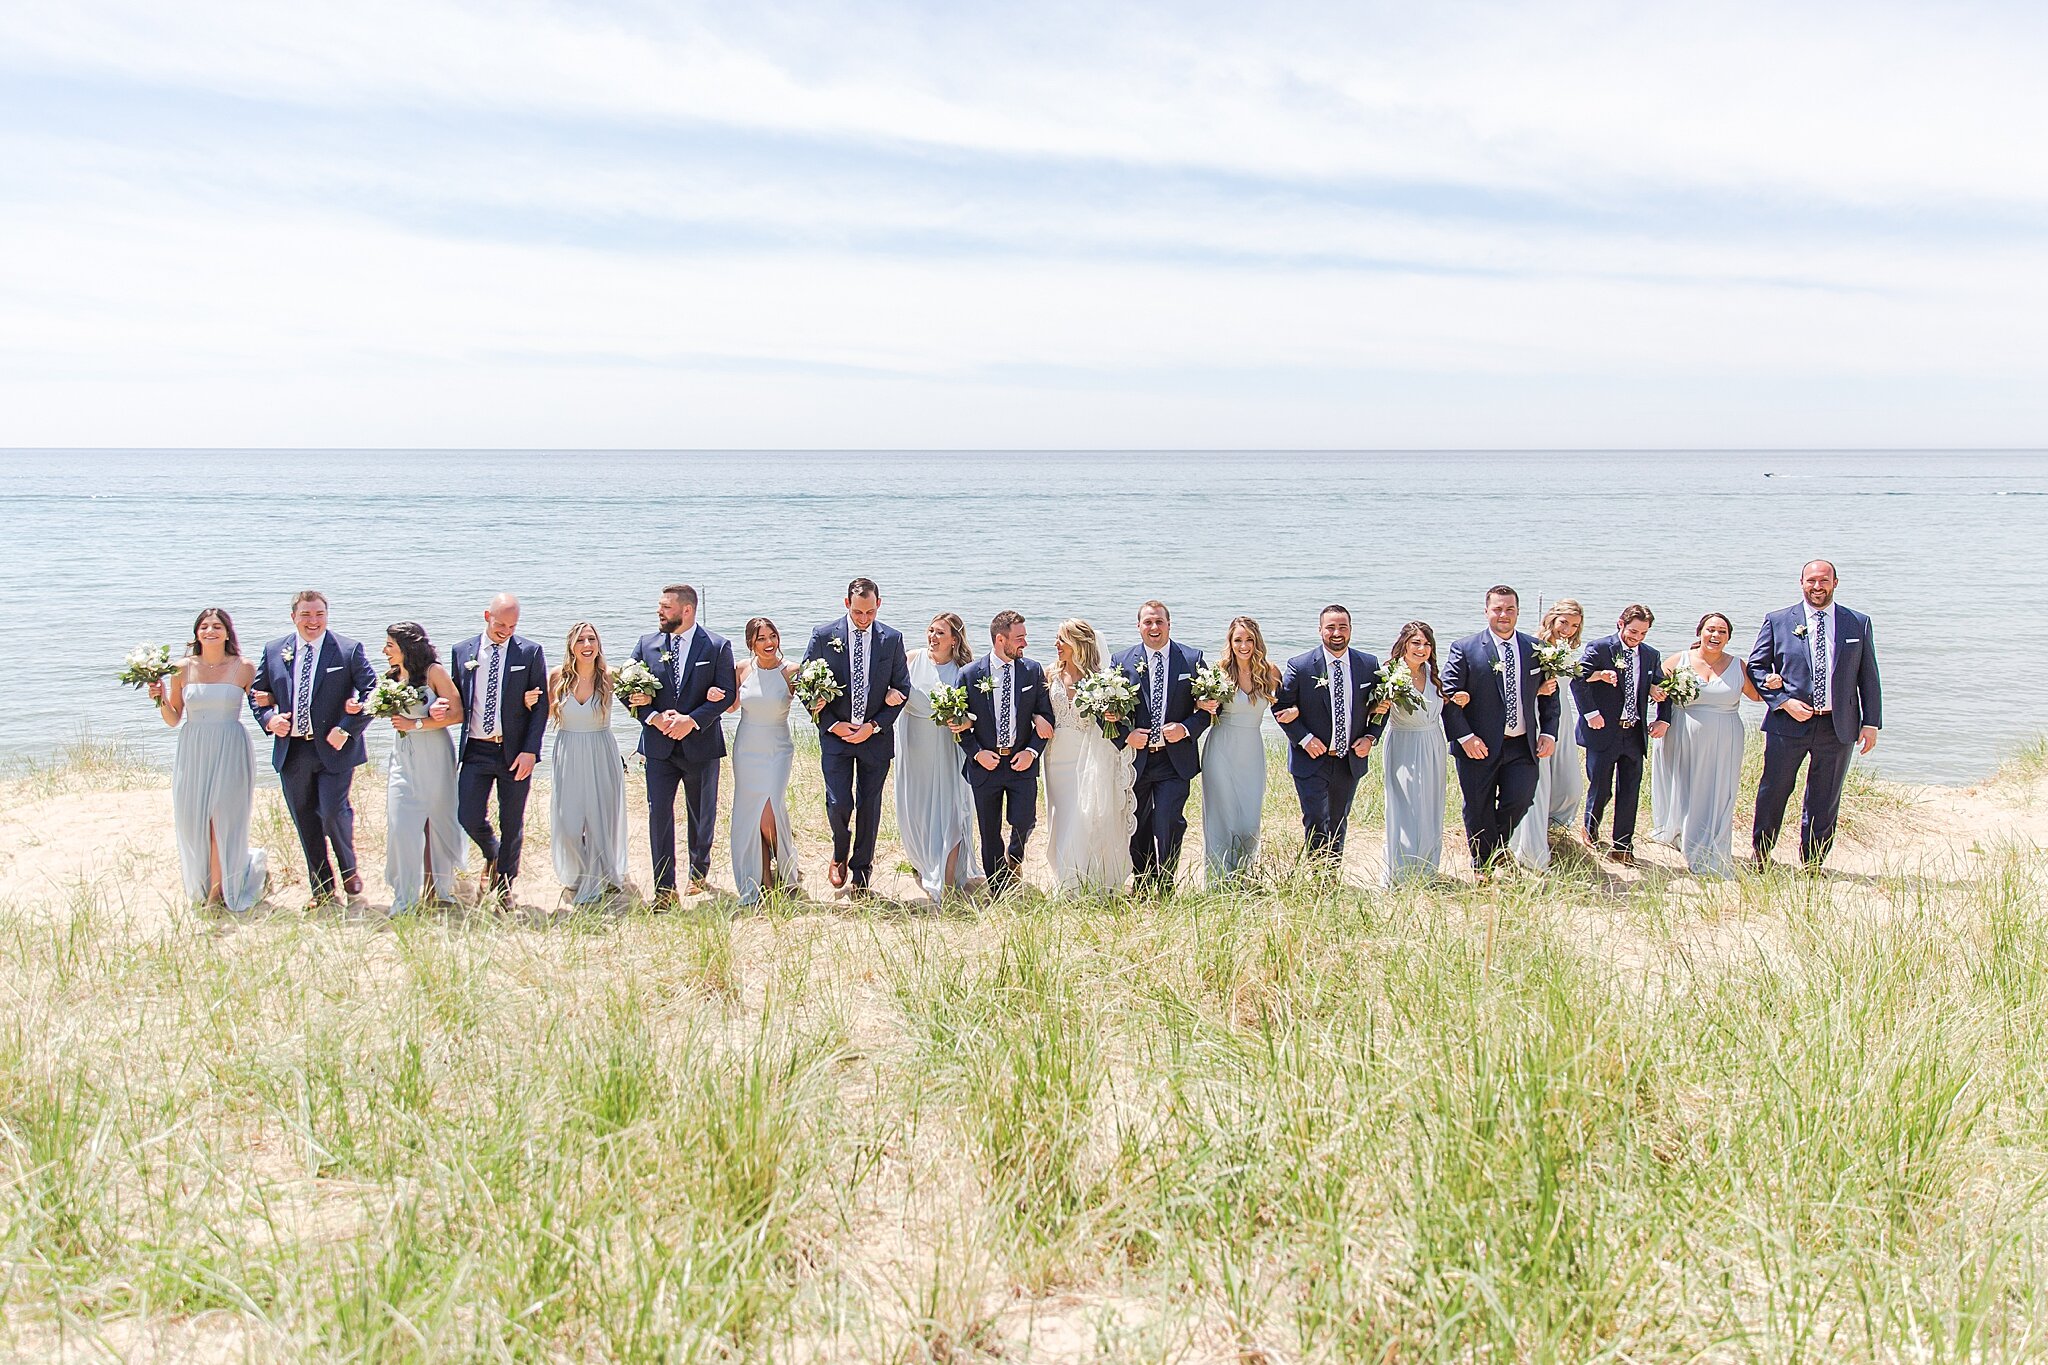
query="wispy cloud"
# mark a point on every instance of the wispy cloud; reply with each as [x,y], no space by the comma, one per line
[827,224]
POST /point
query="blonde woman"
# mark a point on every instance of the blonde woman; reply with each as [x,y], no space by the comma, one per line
[1234,753]
[1088,779]
[588,816]
[934,805]
[1560,778]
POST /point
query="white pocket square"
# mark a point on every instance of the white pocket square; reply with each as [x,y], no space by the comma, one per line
[335,669]
[515,668]
[701,663]
[1852,639]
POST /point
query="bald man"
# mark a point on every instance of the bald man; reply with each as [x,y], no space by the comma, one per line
[503,680]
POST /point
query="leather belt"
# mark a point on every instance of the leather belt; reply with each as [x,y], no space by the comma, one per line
[1005,750]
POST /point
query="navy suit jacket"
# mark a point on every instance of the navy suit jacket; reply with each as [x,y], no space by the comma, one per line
[1606,698]
[1029,697]
[526,667]
[343,671]
[1783,648]
[1306,684]
[1182,662]
[684,683]
[888,669]
[1469,669]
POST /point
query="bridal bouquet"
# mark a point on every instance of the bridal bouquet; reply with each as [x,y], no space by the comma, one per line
[1395,685]
[390,697]
[1211,683]
[147,664]
[1557,660]
[815,686]
[949,707]
[634,678]
[1100,696]
[1681,685]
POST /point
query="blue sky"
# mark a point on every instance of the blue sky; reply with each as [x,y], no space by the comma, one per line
[436,223]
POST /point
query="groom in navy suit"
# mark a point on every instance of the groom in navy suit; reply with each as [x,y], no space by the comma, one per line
[681,737]
[857,728]
[1007,697]
[1329,743]
[503,681]
[1815,665]
[1615,692]
[1163,733]
[308,694]
[1507,720]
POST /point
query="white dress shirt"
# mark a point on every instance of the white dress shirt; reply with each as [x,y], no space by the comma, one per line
[1824,698]
[1510,662]
[305,664]
[484,664]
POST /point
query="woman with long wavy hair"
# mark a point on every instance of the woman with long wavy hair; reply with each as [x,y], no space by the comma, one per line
[213,776]
[934,804]
[424,846]
[1092,805]
[1414,756]
[763,843]
[1560,778]
[587,814]
[1234,753]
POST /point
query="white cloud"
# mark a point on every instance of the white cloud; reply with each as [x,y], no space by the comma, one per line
[1502,224]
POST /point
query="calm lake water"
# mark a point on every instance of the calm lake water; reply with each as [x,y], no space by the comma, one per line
[105,549]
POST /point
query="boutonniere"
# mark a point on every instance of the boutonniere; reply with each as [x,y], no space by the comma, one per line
[471,665]
[987,685]
[1140,669]
[288,653]
[1324,682]
[1798,631]
[838,644]
[667,656]
[1500,666]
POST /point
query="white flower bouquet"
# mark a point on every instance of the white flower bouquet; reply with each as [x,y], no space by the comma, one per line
[1556,659]
[1211,683]
[1681,685]
[949,707]
[633,678]
[390,697]
[1106,698]
[1395,685]
[815,686]
[146,664]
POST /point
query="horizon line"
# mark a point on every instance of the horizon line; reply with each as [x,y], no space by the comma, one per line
[1059,450]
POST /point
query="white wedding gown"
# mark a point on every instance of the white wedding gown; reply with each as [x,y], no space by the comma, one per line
[1088,785]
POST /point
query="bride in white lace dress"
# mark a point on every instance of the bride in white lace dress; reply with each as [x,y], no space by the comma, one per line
[1088,779]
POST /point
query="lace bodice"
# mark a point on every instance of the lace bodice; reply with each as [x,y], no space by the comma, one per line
[1065,715]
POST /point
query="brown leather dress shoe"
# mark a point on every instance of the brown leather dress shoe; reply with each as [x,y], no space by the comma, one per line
[836,874]
[354,884]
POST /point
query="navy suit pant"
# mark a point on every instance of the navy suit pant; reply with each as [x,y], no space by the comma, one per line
[321,812]
[1829,760]
[1497,791]
[1326,794]
[487,768]
[854,774]
[699,782]
[1616,774]
[1000,861]
[1162,818]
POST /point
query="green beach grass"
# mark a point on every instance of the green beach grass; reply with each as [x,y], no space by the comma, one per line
[1557,1119]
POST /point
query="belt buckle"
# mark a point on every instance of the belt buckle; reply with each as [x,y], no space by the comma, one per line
[1005,750]
[1628,725]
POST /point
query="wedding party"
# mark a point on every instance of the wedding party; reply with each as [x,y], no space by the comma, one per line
[1548,733]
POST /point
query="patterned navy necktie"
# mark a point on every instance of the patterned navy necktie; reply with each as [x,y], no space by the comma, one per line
[1510,679]
[1158,702]
[1002,705]
[1628,687]
[1340,704]
[1821,661]
[302,694]
[860,677]
[489,728]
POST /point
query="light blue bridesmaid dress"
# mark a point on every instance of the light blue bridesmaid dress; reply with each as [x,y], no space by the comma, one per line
[212,788]
[1414,757]
[587,820]
[1712,772]
[762,752]
[1560,788]
[419,817]
[1234,785]
[934,804]
[1667,781]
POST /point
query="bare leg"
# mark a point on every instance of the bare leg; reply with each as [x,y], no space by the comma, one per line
[767,847]
[428,891]
[214,891]
[952,860]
